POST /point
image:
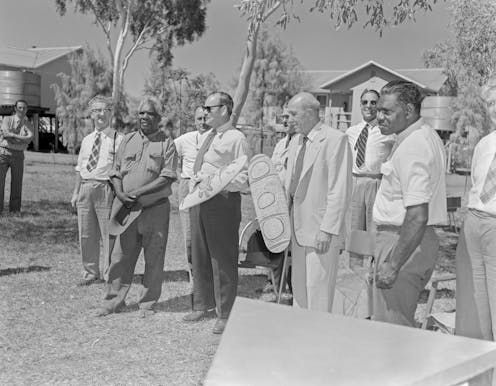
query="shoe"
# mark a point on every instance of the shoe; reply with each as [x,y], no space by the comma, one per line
[86,282]
[146,312]
[195,316]
[220,325]
[104,311]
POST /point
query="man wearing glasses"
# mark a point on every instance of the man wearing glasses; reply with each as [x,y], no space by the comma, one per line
[215,223]
[143,172]
[187,146]
[92,195]
[15,135]
[370,149]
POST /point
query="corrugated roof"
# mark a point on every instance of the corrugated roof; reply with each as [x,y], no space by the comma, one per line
[32,58]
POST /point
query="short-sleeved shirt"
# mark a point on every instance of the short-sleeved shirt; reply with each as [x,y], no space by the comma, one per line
[141,160]
[415,174]
[227,145]
[187,146]
[110,141]
[484,154]
[13,125]
[376,152]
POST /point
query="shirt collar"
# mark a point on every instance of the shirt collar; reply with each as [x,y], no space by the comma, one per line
[400,137]
[154,137]
[223,128]
[314,132]
[109,132]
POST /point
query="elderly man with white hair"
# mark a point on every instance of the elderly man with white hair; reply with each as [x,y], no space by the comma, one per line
[318,185]
[145,165]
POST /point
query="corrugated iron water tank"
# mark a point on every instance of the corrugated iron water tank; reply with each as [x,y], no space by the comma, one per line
[437,112]
[16,85]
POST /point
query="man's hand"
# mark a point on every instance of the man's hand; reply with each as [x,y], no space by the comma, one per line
[322,242]
[386,275]
[129,200]
[74,199]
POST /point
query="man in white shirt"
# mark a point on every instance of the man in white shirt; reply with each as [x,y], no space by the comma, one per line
[92,195]
[410,201]
[476,251]
[187,146]
[370,149]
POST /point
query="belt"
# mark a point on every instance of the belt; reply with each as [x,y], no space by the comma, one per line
[368,175]
[85,180]
[480,213]
[156,203]
[393,228]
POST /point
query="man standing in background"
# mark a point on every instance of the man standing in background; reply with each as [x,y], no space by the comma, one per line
[15,135]
[92,195]
[187,146]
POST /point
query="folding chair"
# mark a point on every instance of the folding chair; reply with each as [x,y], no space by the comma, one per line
[353,281]
[452,205]
[256,258]
[442,321]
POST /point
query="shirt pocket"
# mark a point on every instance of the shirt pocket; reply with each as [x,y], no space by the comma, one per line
[154,162]
[128,162]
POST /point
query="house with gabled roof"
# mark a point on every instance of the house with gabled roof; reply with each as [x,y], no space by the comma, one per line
[28,73]
[339,91]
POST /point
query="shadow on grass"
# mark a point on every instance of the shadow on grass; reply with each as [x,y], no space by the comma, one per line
[177,304]
[18,270]
[177,275]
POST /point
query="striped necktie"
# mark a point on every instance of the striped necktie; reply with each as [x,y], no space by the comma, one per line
[489,187]
[95,152]
[361,145]
[295,178]
[203,149]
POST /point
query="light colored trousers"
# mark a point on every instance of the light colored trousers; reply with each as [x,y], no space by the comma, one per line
[13,160]
[476,277]
[93,209]
[397,305]
[313,276]
[359,216]
[184,216]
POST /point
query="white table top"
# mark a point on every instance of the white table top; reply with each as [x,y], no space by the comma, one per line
[270,344]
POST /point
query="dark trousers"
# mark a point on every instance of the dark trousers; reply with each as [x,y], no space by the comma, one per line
[214,249]
[13,159]
[148,232]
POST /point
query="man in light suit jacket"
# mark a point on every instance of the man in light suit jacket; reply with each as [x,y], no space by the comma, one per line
[318,186]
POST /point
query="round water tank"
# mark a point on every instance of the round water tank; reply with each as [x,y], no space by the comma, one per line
[436,111]
[16,85]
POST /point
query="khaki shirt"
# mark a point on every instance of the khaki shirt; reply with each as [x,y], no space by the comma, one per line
[140,160]
[11,124]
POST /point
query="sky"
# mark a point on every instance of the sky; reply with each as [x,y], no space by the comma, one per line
[314,40]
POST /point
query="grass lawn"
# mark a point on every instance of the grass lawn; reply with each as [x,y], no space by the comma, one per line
[49,334]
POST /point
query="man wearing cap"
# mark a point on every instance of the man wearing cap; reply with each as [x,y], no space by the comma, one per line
[92,195]
[15,135]
[187,146]
[144,170]
[410,201]
[318,185]
[370,149]
[215,223]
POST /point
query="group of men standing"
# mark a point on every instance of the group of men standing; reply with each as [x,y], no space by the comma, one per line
[385,175]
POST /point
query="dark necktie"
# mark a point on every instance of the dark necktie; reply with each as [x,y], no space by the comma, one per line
[295,178]
[489,188]
[95,152]
[288,140]
[361,145]
[203,149]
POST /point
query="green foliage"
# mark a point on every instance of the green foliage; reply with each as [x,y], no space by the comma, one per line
[90,75]
[180,92]
[277,76]
[469,59]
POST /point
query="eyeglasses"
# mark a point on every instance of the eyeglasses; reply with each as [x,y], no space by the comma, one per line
[209,108]
[151,113]
[106,110]
[365,102]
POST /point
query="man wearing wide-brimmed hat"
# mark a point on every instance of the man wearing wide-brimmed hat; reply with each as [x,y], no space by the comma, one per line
[144,170]
[92,195]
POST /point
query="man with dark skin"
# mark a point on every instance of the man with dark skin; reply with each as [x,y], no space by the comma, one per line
[409,202]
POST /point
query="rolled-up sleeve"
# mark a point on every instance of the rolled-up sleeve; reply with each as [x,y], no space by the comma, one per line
[414,170]
[170,161]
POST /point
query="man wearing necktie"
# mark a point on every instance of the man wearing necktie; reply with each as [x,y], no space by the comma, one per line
[318,185]
[92,195]
[370,149]
[476,251]
[215,223]
[15,135]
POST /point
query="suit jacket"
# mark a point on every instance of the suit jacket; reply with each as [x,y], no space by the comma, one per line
[324,190]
